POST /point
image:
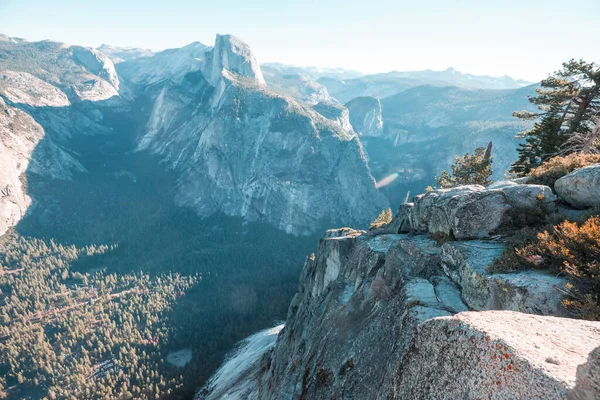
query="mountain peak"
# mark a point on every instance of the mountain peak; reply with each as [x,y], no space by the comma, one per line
[233,55]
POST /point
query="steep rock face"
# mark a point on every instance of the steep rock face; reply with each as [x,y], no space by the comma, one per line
[498,355]
[365,116]
[248,152]
[48,94]
[20,135]
[366,323]
[82,74]
[232,55]
[98,64]
[336,113]
[580,188]
[470,212]
[365,296]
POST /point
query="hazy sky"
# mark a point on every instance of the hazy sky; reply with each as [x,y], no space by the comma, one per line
[524,39]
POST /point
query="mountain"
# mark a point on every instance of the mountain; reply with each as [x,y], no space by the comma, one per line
[237,147]
[245,151]
[426,126]
[365,116]
[170,198]
[391,83]
[171,64]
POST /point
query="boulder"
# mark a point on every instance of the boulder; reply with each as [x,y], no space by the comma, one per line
[472,211]
[500,355]
[580,188]
[526,196]
[463,212]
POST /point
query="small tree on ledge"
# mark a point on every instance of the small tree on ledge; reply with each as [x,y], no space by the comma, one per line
[469,169]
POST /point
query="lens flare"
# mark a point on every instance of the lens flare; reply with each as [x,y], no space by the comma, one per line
[387,180]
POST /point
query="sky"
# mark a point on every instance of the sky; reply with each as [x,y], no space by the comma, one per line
[525,39]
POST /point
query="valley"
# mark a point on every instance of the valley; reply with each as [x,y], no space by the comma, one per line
[157,207]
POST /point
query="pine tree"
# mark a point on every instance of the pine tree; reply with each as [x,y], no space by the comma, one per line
[568,103]
[475,169]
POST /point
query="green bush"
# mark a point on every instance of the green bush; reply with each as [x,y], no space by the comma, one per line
[469,169]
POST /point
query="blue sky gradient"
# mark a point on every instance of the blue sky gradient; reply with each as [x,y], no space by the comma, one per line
[524,39]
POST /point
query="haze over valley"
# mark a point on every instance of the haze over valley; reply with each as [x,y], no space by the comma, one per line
[158,207]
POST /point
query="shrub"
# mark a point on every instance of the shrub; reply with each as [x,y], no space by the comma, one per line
[557,167]
[571,249]
[384,218]
[469,169]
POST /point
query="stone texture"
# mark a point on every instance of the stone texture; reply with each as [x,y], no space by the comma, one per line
[98,64]
[464,212]
[497,355]
[24,146]
[587,386]
[580,188]
[472,212]
[367,311]
[534,292]
[24,88]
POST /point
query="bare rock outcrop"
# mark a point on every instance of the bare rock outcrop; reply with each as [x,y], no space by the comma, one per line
[498,355]
[473,212]
[580,188]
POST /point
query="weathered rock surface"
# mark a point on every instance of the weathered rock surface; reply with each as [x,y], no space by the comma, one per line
[234,56]
[366,324]
[98,64]
[82,74]
[580,188]
[365,116]
[471,212]
[361,308]
[498,355]
[534,292]
[20,135]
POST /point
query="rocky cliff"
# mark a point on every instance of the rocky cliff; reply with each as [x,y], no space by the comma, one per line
[246,151]
[47,95]
[237,147]
[393,314]
[365,116]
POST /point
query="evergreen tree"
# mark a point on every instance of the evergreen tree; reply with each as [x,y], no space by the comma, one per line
[568,103]
[469,169]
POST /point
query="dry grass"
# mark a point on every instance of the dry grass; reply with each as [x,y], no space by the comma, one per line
[557,167]
[569,248]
